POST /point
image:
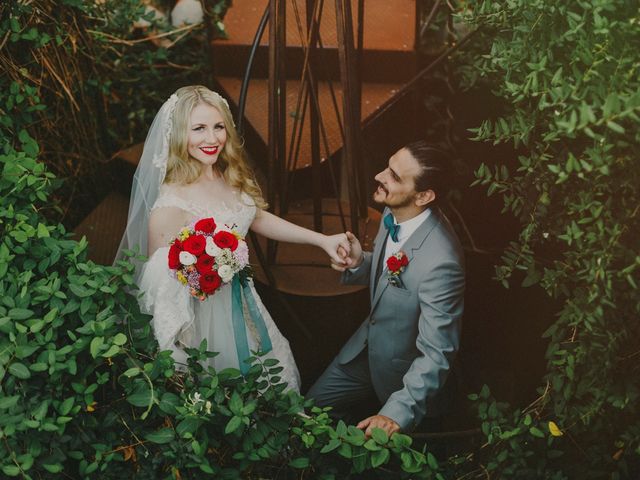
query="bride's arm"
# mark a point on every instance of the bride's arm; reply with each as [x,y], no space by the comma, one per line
[276,228]
[164,225]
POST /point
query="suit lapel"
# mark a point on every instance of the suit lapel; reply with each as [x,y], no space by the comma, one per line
[413,243]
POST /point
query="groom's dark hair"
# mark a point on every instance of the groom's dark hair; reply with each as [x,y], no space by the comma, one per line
[436,169]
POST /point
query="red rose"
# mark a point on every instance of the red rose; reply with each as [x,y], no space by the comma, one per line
[226,240]
[404,261]
[195,244]
[209,282]
[174,255]
[206,225]
[204,263]
[393,263]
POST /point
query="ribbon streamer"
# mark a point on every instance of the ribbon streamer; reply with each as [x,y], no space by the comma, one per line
[239,326]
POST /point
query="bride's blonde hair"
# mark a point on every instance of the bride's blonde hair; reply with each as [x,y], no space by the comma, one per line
[232,161]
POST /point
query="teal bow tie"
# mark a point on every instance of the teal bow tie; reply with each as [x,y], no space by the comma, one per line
[392,227]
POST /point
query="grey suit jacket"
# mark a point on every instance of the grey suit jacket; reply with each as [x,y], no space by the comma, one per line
[412,333]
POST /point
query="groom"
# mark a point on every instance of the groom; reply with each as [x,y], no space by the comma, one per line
[400,356]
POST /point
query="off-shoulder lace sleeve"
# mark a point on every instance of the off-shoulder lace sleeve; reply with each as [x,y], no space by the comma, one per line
[169,303]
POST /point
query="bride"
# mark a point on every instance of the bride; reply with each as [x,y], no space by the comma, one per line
[193,166]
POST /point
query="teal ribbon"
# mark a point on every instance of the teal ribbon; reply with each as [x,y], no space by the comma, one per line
[239,326]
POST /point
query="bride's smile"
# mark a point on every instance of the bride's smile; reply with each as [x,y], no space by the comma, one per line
[207,134]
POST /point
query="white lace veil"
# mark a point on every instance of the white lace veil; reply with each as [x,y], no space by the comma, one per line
[149,175]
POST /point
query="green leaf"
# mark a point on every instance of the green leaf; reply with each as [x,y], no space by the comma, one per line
[65,407]
[187,427]
[235,404]
[431,461]
[11,470]
[80,291]
[43,231]
[162,436]
[233,425]
[132,372]
[20,313]
[113,350]
[536,432]
[615,126]
[300,462]
[19,370]
[141,399]
[401,441]
[94,347]
[8,402]
[52,467]
[169,402]
[332,445]
[380,436]
[120,339]
[380,457]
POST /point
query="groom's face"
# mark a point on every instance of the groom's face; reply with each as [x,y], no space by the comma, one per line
[396,183]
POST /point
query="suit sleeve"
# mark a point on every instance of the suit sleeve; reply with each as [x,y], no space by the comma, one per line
[359,276]
[441,297]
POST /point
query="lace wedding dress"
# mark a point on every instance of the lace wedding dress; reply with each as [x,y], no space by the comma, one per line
[180,320]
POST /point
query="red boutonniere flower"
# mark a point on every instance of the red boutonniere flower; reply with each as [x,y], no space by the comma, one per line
[396,264]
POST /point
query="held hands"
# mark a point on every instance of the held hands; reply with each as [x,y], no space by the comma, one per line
[378,421]
[337,247]
[349,258]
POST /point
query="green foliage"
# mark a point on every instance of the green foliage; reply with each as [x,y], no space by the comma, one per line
[83,391]
[568,77]
[85,79]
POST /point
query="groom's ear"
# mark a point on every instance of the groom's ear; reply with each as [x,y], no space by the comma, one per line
[425,198]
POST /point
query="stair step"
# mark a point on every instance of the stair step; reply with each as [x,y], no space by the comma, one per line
[388,51]
[373,96]
[388,25]
[104,227]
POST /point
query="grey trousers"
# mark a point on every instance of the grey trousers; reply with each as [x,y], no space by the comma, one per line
[348,389]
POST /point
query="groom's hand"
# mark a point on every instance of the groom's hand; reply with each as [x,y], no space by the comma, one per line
[378,421]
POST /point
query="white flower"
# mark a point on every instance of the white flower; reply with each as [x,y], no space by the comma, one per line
[187,258]
[225,272]
[207,407]
[211,248]
[545,234]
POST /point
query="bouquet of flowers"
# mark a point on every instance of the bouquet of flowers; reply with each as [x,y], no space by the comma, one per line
[205,255]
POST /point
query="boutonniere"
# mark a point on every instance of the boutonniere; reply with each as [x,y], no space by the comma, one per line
[396,264]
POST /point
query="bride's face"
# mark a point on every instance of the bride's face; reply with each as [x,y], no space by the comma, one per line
[207,134]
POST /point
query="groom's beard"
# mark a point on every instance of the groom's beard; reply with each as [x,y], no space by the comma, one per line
[396,203]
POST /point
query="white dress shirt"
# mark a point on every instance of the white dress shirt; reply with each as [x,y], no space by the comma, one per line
[406,230]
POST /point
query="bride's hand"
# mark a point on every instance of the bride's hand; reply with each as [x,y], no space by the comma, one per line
[337,247]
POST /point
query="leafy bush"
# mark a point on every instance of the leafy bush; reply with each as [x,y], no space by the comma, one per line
[83,392]
[567,77]
[85,82]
